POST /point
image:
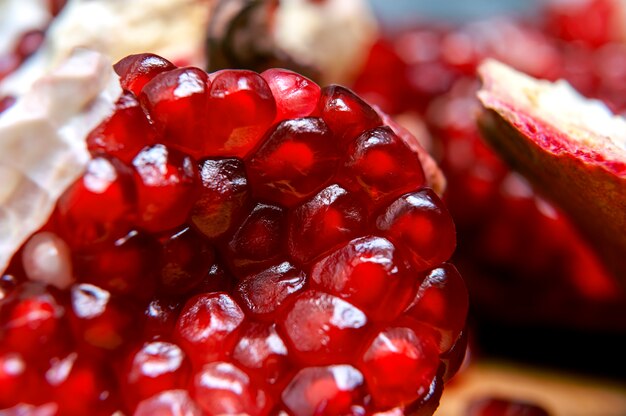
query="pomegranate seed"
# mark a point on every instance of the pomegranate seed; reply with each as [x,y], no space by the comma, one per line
[258,241]
[100,319]
[369,273]
[46,259]
[420,224]
[207,326]
[296,96]
[321,328]
[168,403]
[160,317]
[136,70]
[122,268]
[155,367]
[125,133]
[166,187]
[346,114]
[262,352]
[442,302]
[222,388]
[13,378]
[184,262]
[223,196]
[296,160]
[267,293]
[382,165]
[330,218]
[331,390]
[82,220]
[242,109]
[399,365]
[178,103]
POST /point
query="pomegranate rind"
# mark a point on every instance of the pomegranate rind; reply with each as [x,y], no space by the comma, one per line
[42,142]
[574,153]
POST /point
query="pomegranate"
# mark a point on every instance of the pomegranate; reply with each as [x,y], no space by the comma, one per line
[239,243]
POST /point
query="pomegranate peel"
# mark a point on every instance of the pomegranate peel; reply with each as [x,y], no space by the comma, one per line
[571,149]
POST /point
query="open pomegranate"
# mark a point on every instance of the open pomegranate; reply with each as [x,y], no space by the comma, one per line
[239,243]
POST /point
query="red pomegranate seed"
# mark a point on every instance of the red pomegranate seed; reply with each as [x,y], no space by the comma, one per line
[369,273]
[331,390]
[160,316]
[78,386]
[123,134]
[442,302]
[208,325]
[330,218]
[99,319]
[346,114]
[106,183]
[166,183]
[420,224]
[382,165]
[14,378]
[258,243]
[498,406]
[221,388]
[168,403]
[136,70]
[296,160]
[262,352]
[322,329]
[242,109]
[123,268]
[32,322]
[296,96]
[178,103]
[155,367]
[185,260]
[266,294]
[223,196]
[399,366]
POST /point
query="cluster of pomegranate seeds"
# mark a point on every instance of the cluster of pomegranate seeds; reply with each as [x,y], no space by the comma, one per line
[523,260]
[240,243]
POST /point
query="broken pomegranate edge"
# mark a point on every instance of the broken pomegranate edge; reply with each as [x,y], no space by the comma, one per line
[571,164]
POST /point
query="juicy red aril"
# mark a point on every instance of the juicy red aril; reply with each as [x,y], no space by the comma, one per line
[262,352]
[136,70]
[369,273]
[239,243]
[186,259]
[155,367]
[207,326]
[168,403]
[259,240]
[221,388]
[419,223]
[331,390]
[265,294]
[166,182]
[81,218]
[381,165]
[242,109]
[123,134]
[98,318]
[296,96]
[122,268]
[297,159]
[178,103]
[222,198]
[442,302]
[346,114]
[322,329]
[331,217]
[399,365]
